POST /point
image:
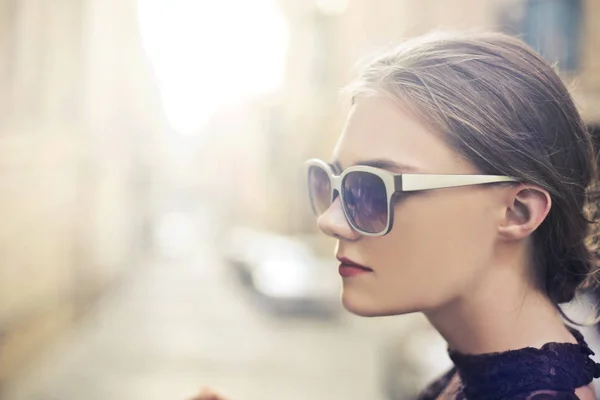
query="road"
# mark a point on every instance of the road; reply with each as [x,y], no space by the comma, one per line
[181,322]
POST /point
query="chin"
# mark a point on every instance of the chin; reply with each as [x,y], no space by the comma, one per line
[363,305]
[370,308]
[361,311]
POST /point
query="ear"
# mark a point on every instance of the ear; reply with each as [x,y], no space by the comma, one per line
[526,208]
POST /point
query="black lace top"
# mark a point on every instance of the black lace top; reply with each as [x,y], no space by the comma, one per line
[551,372]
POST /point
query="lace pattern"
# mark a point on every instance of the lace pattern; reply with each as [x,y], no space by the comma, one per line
[552,372]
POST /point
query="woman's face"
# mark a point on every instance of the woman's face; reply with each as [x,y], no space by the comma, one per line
[442,241]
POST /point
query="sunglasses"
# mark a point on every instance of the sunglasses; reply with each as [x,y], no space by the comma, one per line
[366,192]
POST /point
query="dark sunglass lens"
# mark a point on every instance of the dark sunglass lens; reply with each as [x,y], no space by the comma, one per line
[319,189]
[365,201]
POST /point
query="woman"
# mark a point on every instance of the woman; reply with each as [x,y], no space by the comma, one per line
[460,188]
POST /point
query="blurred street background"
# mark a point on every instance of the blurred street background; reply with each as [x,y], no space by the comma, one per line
[155,234]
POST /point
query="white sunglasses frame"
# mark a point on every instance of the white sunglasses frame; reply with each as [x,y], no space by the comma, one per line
[395,183]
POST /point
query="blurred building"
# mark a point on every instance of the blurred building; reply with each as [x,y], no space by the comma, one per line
[79,136]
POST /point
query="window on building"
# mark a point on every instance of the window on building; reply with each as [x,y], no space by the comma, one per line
[553,27]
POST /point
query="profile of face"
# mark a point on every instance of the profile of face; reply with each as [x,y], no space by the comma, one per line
[442,242]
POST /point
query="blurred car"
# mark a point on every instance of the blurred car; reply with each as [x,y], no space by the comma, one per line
[283,272]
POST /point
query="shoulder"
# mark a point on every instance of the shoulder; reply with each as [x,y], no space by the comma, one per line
[550,395]
[582,393]
[433,390]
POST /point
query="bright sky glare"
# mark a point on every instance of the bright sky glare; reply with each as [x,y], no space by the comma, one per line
[208,54]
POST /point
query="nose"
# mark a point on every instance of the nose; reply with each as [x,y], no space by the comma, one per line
[333,222]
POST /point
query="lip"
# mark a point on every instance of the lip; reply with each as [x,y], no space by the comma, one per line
[350,268]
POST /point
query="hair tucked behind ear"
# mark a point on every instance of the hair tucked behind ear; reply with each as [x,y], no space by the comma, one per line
[503,107]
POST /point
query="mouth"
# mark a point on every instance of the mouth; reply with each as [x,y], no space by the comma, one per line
[350,268]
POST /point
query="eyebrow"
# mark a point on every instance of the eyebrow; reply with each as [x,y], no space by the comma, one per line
[381,163]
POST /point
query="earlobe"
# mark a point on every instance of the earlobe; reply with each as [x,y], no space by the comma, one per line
[527,208]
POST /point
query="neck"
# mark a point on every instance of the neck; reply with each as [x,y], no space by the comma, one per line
[502,313]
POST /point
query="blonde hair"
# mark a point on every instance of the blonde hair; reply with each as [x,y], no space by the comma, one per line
[504,108]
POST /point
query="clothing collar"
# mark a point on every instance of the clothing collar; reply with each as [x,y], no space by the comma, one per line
[554,366]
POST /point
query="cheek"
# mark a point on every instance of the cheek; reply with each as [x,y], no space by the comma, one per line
[444,233]
[437,247]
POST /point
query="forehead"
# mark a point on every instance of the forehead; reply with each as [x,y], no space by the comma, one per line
[377,128]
